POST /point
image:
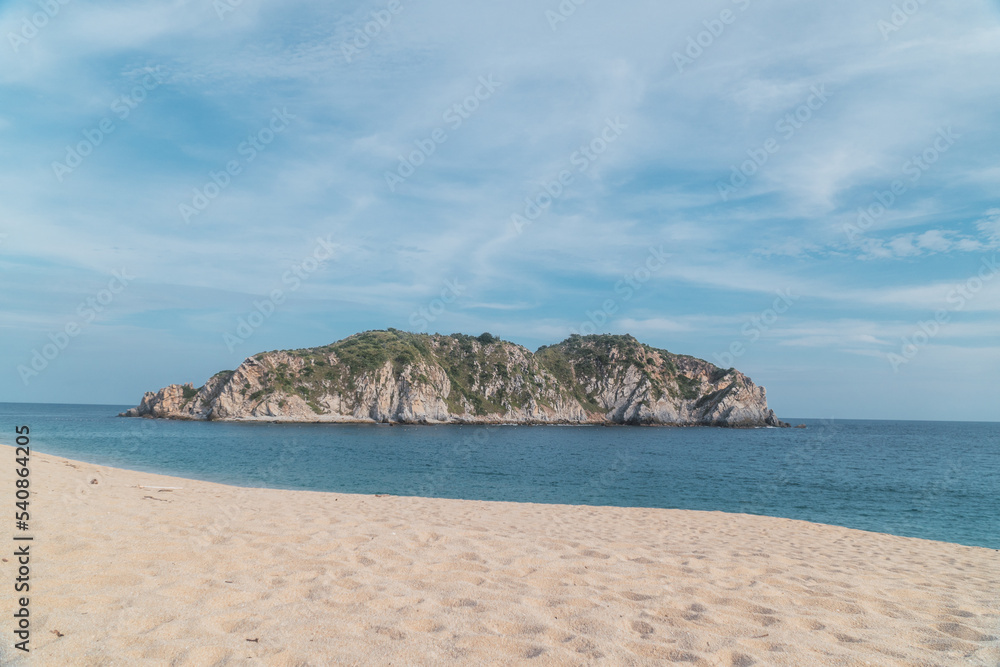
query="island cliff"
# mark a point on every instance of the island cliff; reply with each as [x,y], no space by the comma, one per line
[398,377]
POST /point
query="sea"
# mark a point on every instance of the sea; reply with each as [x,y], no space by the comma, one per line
[934,480]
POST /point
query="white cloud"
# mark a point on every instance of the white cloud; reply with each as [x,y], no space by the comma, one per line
[989,227]
[934,241]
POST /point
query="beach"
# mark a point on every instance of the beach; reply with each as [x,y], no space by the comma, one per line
[137,568]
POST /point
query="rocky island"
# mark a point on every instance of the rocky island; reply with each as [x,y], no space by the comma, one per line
[398,377]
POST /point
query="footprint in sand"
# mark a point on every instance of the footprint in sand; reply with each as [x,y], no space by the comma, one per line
[960,631]
[533,652]
[694,612]
[809,624]
[643,628]
[518,628]
[204,655]
[585,647]
[424,625]
[391,633]
[462,602]
[636,597]
[837,605]
[734,659]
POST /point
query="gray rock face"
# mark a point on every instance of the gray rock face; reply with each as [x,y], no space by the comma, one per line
[397,377]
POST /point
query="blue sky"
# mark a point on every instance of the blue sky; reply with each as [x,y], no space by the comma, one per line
[183,165]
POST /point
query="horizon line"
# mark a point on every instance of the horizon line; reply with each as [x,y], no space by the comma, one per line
[827,419]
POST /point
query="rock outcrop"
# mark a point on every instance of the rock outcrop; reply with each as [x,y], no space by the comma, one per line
[398,377]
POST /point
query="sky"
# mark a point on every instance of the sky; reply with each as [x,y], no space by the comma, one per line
[805,191]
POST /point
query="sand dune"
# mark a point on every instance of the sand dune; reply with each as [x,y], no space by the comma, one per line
[216,575]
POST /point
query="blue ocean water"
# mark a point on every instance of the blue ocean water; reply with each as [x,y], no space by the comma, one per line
[936,480]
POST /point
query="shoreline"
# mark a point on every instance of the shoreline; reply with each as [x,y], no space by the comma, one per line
[198,572]
[333,420]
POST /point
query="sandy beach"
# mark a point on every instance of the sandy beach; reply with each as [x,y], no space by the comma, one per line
[207,574]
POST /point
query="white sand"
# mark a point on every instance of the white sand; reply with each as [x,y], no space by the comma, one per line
[126,576]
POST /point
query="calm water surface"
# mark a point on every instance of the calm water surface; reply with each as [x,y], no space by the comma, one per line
[937,480]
